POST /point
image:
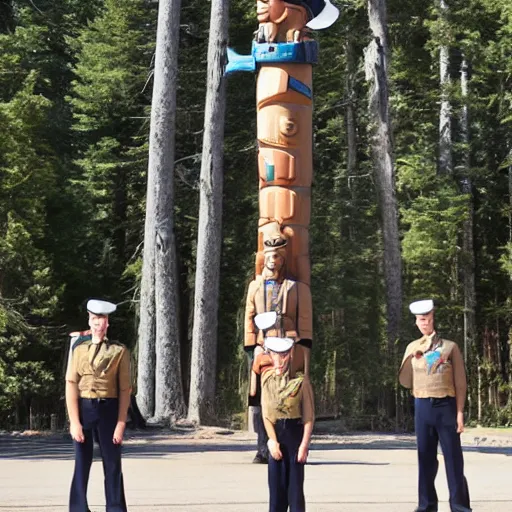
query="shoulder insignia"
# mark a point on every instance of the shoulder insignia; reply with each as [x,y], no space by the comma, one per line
[79,337]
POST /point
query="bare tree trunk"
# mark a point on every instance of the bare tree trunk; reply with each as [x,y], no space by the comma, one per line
[350,108]
[376,71]
[350,116]
[147,322]
[445,122]
[509,341]
[146,342]
[510,198]
[168,402]
[209,240]
[479,392]
[467,242]
[510,242]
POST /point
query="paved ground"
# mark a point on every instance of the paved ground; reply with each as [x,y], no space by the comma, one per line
[210,471]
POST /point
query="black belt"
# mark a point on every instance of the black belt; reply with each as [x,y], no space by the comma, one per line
[98,400]
[285,422]
[438,401]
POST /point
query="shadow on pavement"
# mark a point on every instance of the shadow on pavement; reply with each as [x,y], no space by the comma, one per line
[160,445]
[345,463]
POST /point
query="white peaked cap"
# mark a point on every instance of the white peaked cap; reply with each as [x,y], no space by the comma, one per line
[278,344]
[326,18]
[100,307]
[421,307]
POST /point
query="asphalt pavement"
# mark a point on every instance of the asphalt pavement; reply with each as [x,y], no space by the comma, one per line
[210,470]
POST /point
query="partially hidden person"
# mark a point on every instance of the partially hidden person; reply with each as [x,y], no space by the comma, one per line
[288,415]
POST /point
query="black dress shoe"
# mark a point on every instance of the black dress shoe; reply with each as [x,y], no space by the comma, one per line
[259,459]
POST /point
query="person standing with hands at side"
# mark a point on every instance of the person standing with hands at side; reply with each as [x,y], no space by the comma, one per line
[98,387]
[433,368]
[288,414]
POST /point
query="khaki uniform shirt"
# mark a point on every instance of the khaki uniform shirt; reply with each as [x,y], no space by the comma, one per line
[101,370]
[282,396]
[293,302]
[433,373]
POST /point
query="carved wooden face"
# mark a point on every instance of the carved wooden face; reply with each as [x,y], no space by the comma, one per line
[274,263]
[288,126]
[269,10]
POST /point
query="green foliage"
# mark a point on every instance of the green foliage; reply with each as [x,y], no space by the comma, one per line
[75,95]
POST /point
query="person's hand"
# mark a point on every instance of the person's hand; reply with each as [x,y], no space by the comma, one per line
[77,433]
[460,422]
[273,448]
[302,455]
[254,387]
[119,432]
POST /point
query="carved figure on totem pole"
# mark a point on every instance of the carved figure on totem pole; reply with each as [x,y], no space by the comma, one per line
[288,299]
[290,21]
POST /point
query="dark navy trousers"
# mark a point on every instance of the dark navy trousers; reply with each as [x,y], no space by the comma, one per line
[259,428]
[99,419]
[286,476]
[436,422]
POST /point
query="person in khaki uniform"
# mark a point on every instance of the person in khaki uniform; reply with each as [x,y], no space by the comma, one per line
[288,415]
[433,368]
[98,387]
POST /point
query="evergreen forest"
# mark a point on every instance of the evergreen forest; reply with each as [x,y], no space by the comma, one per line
[76,82]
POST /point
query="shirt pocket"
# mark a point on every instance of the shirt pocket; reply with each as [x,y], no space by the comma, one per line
[104,365]
[84,368]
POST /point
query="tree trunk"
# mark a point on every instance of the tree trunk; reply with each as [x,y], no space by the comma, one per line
[376,72]
[204,334]
[510,198]
[146,341]
[146,334]
[350,109]
[467,242]
[445,122]
[350,116]
[168,391]
[479,393]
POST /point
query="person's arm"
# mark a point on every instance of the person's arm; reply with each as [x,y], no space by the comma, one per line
[405,371]
[124,392]
[460,384]
[302,455]
[72,396]
[255,370]
[308,418]
[304,318]
[254,383]
[250,329]
[272,443]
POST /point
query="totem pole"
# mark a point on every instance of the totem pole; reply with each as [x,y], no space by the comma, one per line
[279,298]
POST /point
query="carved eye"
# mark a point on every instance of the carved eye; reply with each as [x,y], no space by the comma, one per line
[288,126]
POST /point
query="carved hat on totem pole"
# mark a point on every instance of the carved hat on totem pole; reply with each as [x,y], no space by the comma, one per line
[274,239]
[321,13]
